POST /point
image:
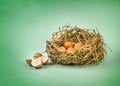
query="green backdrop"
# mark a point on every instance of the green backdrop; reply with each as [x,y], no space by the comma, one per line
[25,25]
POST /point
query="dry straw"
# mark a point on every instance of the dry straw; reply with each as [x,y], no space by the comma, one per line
[92,52]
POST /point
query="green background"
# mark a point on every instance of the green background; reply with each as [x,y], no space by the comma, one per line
[25,25]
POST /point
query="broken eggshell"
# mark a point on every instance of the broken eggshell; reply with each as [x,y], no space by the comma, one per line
[44,60]
[28,61]
[37,63]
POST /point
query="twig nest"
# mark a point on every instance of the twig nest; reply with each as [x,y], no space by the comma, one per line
[74,45]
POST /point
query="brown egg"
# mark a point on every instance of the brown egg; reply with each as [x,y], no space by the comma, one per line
[36,55]
[68,44]
[78,45]
[62,49]
[37,63]
[70,50]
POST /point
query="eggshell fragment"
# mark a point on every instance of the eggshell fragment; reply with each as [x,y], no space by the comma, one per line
[28,61]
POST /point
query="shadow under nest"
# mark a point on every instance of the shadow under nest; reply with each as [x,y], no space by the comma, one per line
[92,52]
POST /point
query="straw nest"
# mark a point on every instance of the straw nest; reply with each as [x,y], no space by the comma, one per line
[92,51]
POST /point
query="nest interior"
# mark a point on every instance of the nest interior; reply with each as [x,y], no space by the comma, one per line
[92,51]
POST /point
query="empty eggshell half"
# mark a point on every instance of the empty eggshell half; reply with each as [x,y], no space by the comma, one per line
[44,59]
[37,63]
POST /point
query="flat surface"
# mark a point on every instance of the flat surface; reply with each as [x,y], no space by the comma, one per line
[25,25]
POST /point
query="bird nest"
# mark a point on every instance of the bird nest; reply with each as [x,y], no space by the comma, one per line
[91,52]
